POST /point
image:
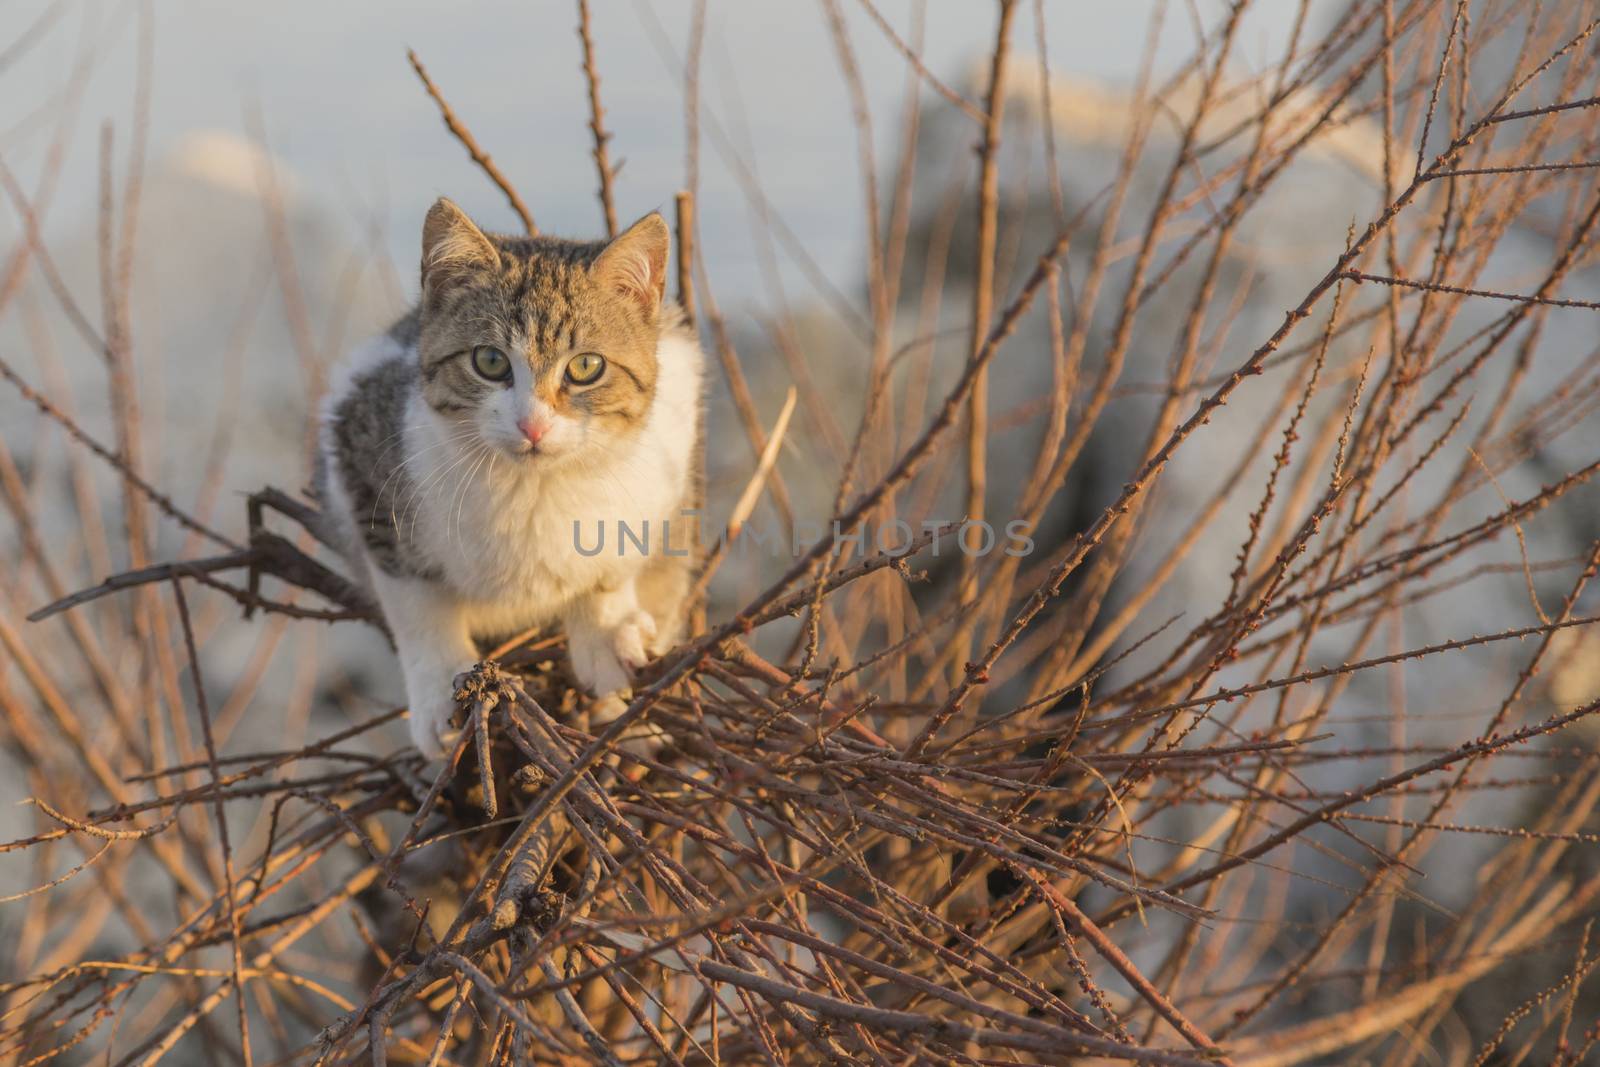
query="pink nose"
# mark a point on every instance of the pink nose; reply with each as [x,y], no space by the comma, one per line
[531,430]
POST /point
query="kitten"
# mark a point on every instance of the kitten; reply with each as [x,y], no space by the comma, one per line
[538,395]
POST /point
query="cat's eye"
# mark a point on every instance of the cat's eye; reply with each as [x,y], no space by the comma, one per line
[491,363]
[586,368]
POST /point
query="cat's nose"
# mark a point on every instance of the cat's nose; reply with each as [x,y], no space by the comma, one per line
[533,431]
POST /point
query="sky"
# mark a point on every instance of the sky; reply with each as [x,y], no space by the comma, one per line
[344,114]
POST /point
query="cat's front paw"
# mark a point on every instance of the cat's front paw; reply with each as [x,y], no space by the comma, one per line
[433,714]
[604,659]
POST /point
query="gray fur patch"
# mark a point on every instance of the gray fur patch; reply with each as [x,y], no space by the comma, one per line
[407,329]
[369,448]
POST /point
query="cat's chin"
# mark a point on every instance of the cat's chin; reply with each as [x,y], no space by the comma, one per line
[534,456]
[518,451]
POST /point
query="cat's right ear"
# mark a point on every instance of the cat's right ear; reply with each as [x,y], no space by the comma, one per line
[452,248]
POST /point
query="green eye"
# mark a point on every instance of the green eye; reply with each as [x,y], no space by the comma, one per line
[491,363]
[585,368]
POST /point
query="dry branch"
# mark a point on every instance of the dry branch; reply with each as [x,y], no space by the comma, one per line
[918,835]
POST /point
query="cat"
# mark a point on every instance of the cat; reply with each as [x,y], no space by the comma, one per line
[541,391]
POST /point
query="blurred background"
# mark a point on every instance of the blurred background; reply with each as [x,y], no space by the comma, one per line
[258,174]
[356,143]
[281,159]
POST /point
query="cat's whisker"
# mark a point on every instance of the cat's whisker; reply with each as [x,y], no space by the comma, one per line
[420,490]
[403,467]
[464,487]
[606,468]
[378,461]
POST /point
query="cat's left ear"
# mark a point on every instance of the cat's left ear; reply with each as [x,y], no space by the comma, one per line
[635,263]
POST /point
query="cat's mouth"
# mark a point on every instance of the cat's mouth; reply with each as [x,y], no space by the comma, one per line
[516,447]
[524,451]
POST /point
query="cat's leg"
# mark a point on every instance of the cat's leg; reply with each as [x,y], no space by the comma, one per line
[663,591]
[434,644]
[608,634]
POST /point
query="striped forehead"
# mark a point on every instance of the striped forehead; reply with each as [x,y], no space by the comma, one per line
[551,329]
[544,298]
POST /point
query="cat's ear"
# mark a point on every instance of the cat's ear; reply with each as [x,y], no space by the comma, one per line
[452,247]
[635,263]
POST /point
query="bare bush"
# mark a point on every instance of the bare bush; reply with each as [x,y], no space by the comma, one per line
[913,802]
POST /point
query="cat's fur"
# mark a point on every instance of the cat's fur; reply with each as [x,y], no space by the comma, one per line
[460,527]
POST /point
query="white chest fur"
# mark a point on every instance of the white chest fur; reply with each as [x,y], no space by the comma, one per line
[518,541]
[517,544]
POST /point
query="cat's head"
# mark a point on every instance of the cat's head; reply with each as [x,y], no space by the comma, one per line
[542,348]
